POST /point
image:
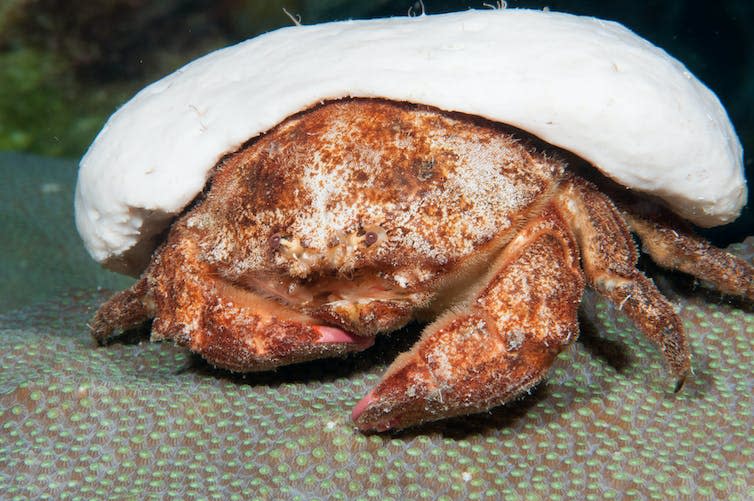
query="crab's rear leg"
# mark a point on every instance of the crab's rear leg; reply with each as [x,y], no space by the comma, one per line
[673,245]
[497,346]
[609,258]
[229,326]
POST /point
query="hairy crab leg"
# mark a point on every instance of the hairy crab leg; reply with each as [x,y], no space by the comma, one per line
[230,327]
[673,245]
[609,258]
[123,311]
[499,345]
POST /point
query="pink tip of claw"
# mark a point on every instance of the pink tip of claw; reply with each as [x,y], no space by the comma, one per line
[379,426]
[363,404]
[334,335]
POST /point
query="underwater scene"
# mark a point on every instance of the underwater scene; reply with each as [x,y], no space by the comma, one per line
[652,401]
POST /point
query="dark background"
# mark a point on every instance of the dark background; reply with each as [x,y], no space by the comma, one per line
[65,66]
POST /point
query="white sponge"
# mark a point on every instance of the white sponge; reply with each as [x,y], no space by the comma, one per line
[589,86]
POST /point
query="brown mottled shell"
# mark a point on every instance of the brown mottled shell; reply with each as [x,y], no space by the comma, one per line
[369,184]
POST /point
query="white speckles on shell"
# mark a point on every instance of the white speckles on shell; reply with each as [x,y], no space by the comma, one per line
[480,180]
[222,250]
[401,280]
[587,85]
[514,339]
[199,221]
[440,366]
[319,223]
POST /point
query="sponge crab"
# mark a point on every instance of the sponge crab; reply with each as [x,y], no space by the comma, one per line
[353,205]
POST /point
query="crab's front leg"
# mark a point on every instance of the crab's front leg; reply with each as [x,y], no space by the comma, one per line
[123,311]
[229,326]
[499,345]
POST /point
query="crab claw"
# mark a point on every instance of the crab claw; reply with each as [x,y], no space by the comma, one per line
[230,326]
[500,345]
[246,339]
[337,336]
[463,368]
[467,366]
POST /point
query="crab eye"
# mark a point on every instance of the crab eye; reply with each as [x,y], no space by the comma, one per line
[370,238]
[274,241]
[373,234]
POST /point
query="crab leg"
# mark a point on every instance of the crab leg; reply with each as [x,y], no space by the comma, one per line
[497,346]
[609,259]
[676,247]
[229,326]
[123,311]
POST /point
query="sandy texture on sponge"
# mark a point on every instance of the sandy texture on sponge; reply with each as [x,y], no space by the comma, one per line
[589,86]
